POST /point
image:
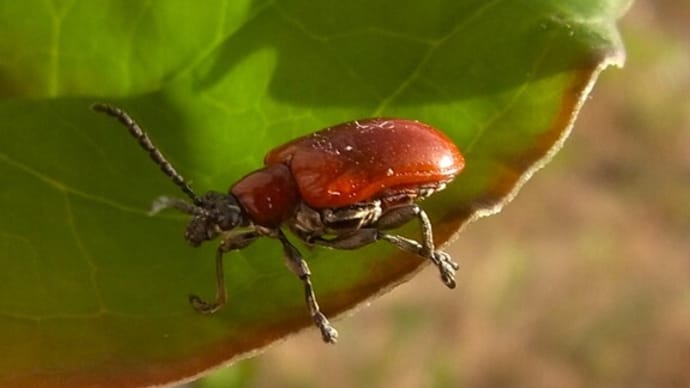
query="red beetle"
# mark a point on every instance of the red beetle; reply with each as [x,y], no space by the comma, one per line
[341,187]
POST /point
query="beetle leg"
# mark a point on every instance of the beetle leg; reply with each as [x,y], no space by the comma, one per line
[301,269]
[354,240]
[396,217]
[353,217]
[442,260]
[367,236]
[204,307]
[236,242]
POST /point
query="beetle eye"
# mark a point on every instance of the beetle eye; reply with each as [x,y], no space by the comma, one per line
[228,219]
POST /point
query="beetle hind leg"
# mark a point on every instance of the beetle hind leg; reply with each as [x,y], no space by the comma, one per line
[392,218]
[396,217]
[363,237]
[301,269]
[441,260]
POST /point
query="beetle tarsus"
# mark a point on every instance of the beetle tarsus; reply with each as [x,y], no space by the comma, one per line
[328,333]
[447,276]
[203,307]
[446,266]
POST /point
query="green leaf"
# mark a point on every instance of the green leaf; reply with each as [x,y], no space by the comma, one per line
[93,290]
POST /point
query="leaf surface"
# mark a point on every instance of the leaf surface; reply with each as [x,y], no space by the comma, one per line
[93,290]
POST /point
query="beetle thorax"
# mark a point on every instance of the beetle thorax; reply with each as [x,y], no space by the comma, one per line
[269,195]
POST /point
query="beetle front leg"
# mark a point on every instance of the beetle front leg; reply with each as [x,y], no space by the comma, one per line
[301,269]
[237,242]
[204,307]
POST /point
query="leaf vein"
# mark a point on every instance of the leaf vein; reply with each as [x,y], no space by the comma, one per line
[82,251]
[62,187]
[513,100]
[417,71]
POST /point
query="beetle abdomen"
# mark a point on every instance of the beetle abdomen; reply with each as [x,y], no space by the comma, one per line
[365,159]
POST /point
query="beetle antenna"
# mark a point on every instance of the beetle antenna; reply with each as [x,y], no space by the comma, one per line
[147,145]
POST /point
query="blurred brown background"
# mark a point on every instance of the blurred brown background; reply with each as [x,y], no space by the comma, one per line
[583,280]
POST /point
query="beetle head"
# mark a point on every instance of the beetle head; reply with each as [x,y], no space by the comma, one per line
[213,214]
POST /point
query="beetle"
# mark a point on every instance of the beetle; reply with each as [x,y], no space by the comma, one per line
[342,187]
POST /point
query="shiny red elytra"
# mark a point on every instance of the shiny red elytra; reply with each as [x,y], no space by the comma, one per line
[342,187]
